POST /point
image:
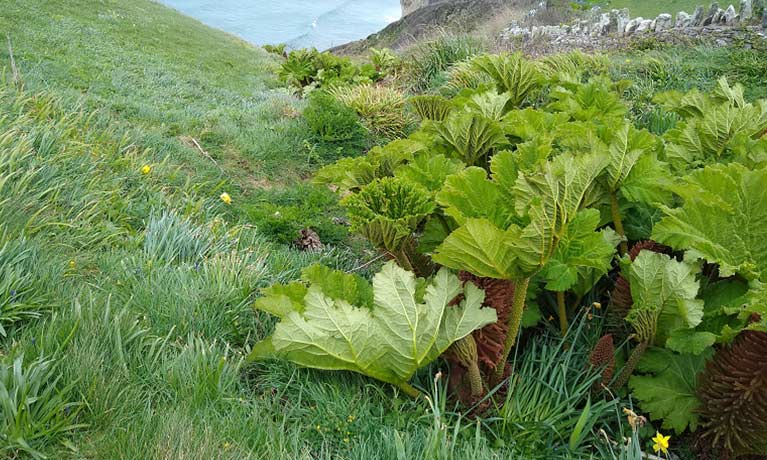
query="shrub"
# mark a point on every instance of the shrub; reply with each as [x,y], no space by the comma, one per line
[382,109]
[310,68]
[426,61]
[276,49]
[384,60]
[282,213]
[331,120]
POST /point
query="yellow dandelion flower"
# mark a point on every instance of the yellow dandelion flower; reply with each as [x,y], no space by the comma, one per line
[72,264]
[146,169]
[226,198]
[661,443]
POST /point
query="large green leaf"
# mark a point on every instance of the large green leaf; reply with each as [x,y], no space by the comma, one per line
[429,171]
[430,107]
[582,253]
[545,201]
[513,74]
[470,194]
[531,123]
[354,173]
[716,127]
[668,388]
[489,104]
[470,137]
[282,299]
[723,219]
[481,248]
[390,341]
[594,102]
[664,293]
[627,146]
[387,211]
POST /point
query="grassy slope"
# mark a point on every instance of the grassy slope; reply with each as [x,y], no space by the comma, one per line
[147,328]
[162,73]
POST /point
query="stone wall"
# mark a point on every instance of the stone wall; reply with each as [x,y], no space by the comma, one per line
[751,15]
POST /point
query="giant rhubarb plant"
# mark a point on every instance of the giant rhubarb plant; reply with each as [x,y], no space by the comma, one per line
[724,221]
[329,321]
[664,306]
[512,223]
[720,126]
[388,212]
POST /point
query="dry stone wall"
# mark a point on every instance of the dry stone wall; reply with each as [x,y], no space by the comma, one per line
[599,28]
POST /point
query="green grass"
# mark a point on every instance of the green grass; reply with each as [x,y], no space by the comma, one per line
[650,9]
[126,297]
[129,295]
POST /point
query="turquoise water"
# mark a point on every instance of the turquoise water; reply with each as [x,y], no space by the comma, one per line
[299,23]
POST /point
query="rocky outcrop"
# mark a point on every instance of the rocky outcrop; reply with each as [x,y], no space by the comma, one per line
[423,17]
[409,6]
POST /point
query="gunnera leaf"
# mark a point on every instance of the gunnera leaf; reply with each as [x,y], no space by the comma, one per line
[471,137]
[351,174]
[387,211]
[594,102]
[429,171]
[620,298]
[667,387]
[545,202]
[513,75]
[663,292]
[723,221]
[733,395]
[716,126]
[431,107]
[404,330]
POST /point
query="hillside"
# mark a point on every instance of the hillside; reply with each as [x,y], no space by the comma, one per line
[154,174]
[126,282]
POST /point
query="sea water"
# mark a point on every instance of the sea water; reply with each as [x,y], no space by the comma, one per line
[297,23]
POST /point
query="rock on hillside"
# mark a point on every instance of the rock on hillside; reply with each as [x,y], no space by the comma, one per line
[422,17]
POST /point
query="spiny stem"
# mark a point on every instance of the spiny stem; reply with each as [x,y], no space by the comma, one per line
[515,320]
[403,260]
[631,364]
[618,222]
[562,309]
[475,380]
[409,389]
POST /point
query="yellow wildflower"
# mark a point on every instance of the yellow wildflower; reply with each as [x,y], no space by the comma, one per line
[146,169]
[72,264]
[226,198]
[661,443]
